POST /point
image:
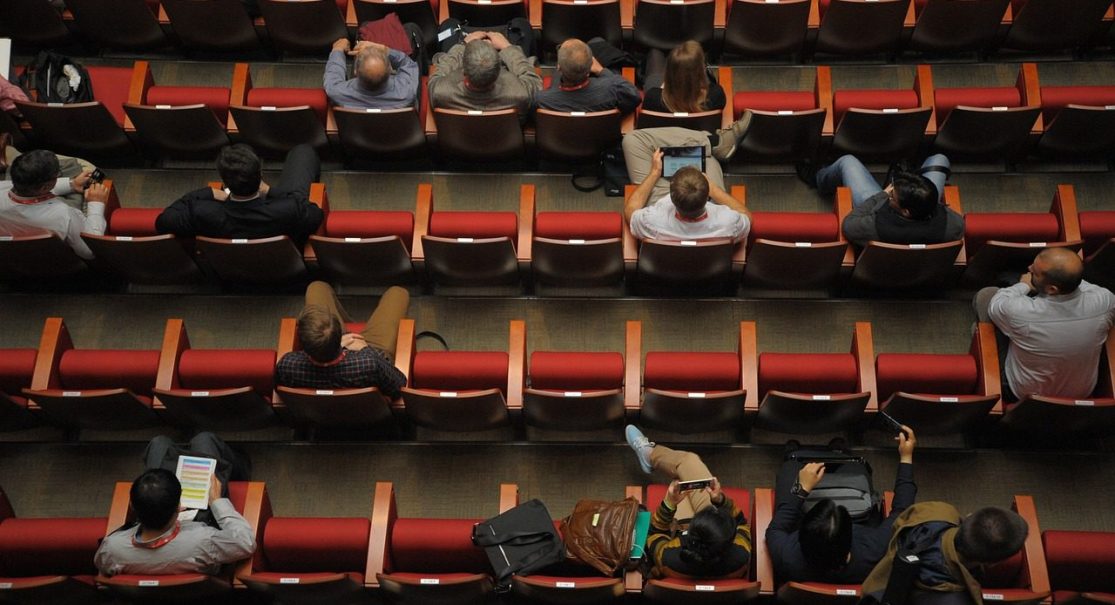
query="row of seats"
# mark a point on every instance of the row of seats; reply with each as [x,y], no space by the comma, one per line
[749,28]
[131,113]
[425,560]
[683,393]
[561,252]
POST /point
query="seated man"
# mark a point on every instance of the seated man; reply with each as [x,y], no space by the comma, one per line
[1051,327]
[385,78]
[484,72]
[332,359]
[33,202]
[680,210]
[824,544]
[582,84]
[952,549]
[907,211]
[249,207]
[693,533]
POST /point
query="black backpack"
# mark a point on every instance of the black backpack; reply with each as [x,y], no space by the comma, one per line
[520,541]
[46,81]
[847,482]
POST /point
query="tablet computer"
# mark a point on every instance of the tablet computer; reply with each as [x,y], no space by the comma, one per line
[675,158]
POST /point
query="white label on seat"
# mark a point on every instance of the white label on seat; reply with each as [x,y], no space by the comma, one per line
[483,1]
[821,397]
[464,240]
[784,112]
[123,238]
[240,240]
[5,585]
[580,1]
[323,392]
[372,110]
[949,400]
[803,244]
[917,246]
[688,242]
[289,580]
[390,1]
[1084,402]
[576,113]
[6,238]
[565,584]
[696,395]
[992,596]
[889,109]
[268,108]
[55,104]
[681,114]
[573,393]
[71,393]
[999,108]
[707,587]
[442,36]
[429,581]
[148,582]
[1109,106]
[162,107]
[772,1]
[447,394]
[846,592]
[352,239]
[475,112]
[199,393]
[1037,244]
[576,241]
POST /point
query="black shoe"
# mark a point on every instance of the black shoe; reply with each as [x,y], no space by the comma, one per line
[807,172]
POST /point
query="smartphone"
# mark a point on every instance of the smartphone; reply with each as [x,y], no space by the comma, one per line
[97,176]
[890,424]
[685,486]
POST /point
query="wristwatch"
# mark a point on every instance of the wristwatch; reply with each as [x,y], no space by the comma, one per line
[799,491]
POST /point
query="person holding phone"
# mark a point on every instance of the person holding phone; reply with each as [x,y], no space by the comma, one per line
[697,531]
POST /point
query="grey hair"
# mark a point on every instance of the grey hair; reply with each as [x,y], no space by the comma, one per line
[574,59]
[369,54]
[481,64]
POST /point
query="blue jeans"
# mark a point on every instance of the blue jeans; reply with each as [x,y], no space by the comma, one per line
[847,171]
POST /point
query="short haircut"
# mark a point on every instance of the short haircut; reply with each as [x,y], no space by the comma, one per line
[372,67]
[916,194]
[319,332]
[33,172]
[155,496]
[708,538]
[1064,269]
[826,536]
[574,61]
[990,535]
[240,169]
[689,191]
[481,65]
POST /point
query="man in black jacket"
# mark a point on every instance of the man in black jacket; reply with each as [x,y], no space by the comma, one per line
[248,207]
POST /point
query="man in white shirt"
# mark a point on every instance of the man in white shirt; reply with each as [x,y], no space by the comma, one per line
[30,202]
[1056,324]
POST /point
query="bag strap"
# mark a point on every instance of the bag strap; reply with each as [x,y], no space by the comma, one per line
[512,538]
[433,335]
[596,183]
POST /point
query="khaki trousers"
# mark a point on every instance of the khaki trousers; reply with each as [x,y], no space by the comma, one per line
[683,466]
[381,331]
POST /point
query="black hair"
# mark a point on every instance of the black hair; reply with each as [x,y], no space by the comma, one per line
[826,536]
[990,535]
[915,194]
[33,172]
[709,537]
[240,169]
[155,497]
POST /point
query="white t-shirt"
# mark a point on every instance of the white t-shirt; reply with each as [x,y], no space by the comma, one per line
[52,215]
[660,221]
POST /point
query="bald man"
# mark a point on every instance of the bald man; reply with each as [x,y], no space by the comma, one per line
[385,78]
[583,84]
[1054,324]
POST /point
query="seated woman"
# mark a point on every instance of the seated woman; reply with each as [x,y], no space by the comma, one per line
[695,533]
[681,82]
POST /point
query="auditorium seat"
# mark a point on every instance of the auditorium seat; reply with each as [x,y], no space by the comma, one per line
[577,249]
[664,24]
[470,249]
[1097,229]
[249,498]
[947,26]
[47,560]
[759,28]
[214,389]
[692,392]
[422,13]
[364,247]
[482,13]
[420,561]
[577,136]
[222,26]
[273,120]
[560,20]
[1079,121]
[33,23]
[861,27]
[709,121]
[119,24]
[1053,25]
[17,366]
[796,250]
[457,132]
[35,257]
[178,122]
[947,394]
[268,261]
[306,27]
[92,388]
[1024,578]
[1008,241]
[462,390]
[785,124]
[1080,564]
[384,134]
[877,123]
[809,393]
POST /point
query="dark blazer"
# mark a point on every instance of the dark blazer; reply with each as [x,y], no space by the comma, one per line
[198,213]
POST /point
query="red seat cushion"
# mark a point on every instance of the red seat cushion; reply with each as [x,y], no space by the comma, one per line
[16,367]
[773,101]
[808,373]
[215,98]
[692,371]
[474,224]
[575,371]
[109,369]
[920,373]
[946,99]
[111,86]
[578,225]
[435,546]
[228,369]
[1017,227]
[40,547]
[308,544]
[370,223]
[290,97]
[1006,574]
[1096,227]
[136,222]
[795,226]
[460,370]
[1080,560]
[1056,98]
[843,100]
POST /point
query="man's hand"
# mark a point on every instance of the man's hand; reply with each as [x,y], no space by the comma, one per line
[673,496]
[476,35]
[1028,279]
[264,187]
[96,192]
[353,341]
[81,181]
[655,165]
[906,443]
[343,45]
[596,67]
[214,488]
[498,40]
[714,493]
[810,475]
[363,44]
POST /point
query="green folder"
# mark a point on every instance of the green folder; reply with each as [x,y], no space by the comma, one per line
[642,528]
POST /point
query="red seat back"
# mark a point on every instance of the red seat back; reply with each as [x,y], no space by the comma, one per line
[435,546]
[46,547]
[216,98]
[1056,98]
[474,224]
[290,97]
[808,373]
[136,222]
[361,223]
[227,369]
[16,368]
[575,371]
[109,369]
[773,101]
[692,371]
[1080,560]
[946,99]
[843,100]
[795,226]
[459,370]
[578,225]
[1096,227]
[920,373]
[1017,227]
[308,544]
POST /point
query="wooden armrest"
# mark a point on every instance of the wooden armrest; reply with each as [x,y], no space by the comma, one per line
[822,88]
[1064,206]
[351,20]
[720,14]
[814,21]
[864,350]
[54,341]
[1029,86]
[633,580]
[255,502]
[534,13]
[121,505]
[911,17]
[764,514]
[175,341]
[985,350]
[137,89]
[241,84]
[527,209]
[923,86]
[724,76]
[516,365]
[423,207]
[842,206]
[288,336]
[1035,555]
[404,347]
[113,202]
[749,366]
[508,497]
[383,514]
[633,361]
[443,11]
[627,14]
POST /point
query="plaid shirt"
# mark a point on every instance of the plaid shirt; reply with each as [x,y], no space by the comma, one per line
[358,369]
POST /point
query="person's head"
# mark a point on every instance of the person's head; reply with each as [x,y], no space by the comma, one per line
[574,61]
[34,173]
[685,83]
[709,537]
[914,196]
[372,67]
[826,536]
[481,65]
[240,169]
[319,332]
[1056,271]
[990,535]
[689,192]
[155,496]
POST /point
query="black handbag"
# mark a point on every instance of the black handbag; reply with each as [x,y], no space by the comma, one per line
[520,541]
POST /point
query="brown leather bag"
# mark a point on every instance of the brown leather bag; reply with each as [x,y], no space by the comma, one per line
[599,533]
